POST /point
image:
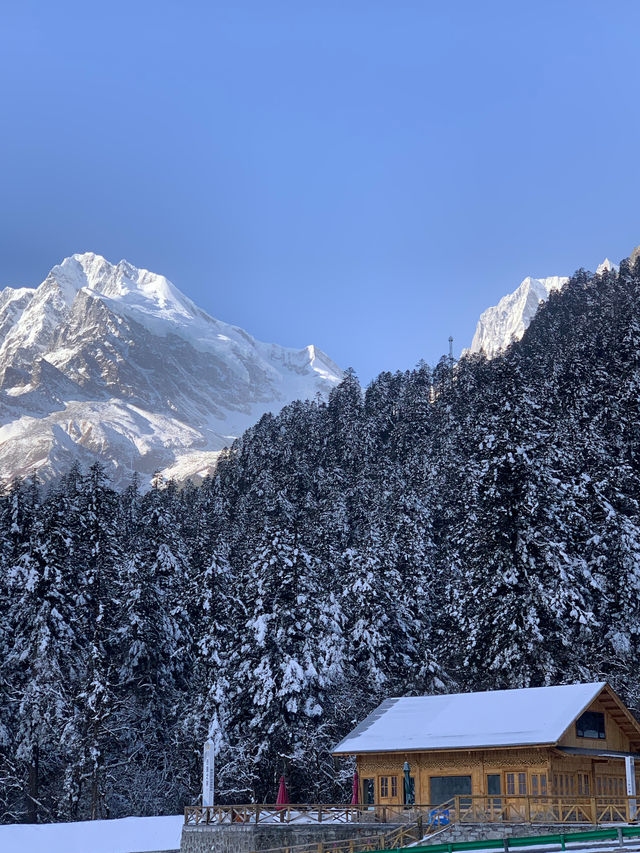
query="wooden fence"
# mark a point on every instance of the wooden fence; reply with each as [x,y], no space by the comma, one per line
[459,809]
[528,809]
[301,813]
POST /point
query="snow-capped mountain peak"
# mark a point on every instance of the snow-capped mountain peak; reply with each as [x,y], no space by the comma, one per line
[114,362]
[606,266]
[507,321]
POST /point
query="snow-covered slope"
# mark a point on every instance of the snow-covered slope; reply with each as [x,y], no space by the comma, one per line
[122,835]
[505,322]
[112,362]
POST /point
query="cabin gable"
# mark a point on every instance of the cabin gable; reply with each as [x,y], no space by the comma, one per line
[605,715]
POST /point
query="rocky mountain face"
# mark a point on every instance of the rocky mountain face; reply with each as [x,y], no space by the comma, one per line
[112,362]
[506,322]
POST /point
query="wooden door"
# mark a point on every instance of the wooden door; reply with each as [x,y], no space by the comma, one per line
[494,799]
[368,791]
[515,788]
[538,797]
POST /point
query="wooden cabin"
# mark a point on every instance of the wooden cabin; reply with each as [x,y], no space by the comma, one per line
[568,741]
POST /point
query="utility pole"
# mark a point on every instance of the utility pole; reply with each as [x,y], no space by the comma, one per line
[451,349]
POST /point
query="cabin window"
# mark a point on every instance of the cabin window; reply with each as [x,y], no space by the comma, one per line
[517,783]
[493,783]
[443,788]
[583,784]
[388,784]
[591,724]
[494,786]
[539,784]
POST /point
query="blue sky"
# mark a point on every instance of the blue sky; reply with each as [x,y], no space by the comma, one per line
[366,176]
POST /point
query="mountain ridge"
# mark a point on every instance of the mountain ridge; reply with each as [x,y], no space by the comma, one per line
[113,362]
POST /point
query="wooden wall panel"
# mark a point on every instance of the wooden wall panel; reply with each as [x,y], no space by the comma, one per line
[615,737]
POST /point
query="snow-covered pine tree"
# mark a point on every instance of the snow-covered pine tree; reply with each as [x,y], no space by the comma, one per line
[44,653]
[97,557]
[154,652]
[287,657]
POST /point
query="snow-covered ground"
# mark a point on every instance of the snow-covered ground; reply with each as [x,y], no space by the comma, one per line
[127,835]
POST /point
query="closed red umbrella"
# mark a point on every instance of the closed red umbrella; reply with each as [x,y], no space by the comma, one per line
[283,795]
[355,796]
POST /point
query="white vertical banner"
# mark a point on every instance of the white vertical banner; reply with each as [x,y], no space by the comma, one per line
[630,767]
[207,773]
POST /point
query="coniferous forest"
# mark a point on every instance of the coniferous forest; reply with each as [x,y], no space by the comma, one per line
[471,526]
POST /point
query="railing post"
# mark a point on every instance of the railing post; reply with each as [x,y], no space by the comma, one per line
[457,805]
[594,812]
[527,810]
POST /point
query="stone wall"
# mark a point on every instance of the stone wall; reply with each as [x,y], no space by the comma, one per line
[489,831]
[238,838]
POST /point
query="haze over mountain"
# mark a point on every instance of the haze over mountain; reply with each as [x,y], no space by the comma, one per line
[112,362]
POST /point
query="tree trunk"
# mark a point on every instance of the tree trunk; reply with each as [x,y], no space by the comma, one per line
[32,808]
[94,794]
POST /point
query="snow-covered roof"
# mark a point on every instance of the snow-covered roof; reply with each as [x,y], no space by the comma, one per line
[524,717]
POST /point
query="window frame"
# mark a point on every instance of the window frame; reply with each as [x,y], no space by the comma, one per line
[582,728]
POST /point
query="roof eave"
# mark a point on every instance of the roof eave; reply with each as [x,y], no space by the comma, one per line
[529,745]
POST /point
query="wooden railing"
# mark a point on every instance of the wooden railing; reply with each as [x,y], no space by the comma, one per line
[302,813]
[523,809]
[460,809]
